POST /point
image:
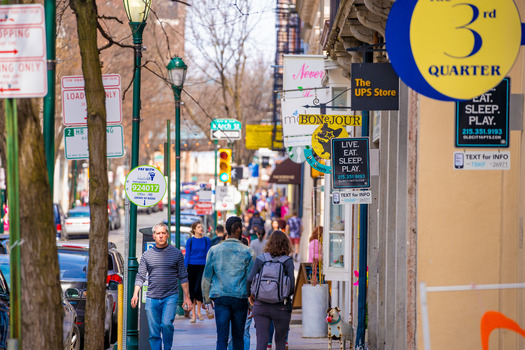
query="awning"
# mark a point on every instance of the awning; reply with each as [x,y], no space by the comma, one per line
[286,172]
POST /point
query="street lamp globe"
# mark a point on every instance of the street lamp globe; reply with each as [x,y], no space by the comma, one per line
[137,10]
[177,72]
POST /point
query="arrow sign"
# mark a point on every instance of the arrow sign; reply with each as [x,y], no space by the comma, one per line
[22,51]
[226,134]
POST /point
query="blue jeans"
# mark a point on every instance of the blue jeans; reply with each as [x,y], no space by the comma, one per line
[246,335]
[161,313]
[230,310]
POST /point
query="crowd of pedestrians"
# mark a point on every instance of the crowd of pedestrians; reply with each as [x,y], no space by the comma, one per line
[225,274]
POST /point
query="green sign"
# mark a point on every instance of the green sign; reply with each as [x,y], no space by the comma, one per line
[225,124]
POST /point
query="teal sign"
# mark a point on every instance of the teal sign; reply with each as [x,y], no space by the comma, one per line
[308,153]
[225,124]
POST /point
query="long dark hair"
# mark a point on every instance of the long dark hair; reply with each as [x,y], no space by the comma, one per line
[278,244]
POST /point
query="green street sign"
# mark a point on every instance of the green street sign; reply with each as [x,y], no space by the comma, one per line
[225,124]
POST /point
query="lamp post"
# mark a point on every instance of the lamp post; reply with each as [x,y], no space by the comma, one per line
[137,12]
[176,76]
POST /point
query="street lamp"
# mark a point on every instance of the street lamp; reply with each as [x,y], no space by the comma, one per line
[176,76]
[137,12]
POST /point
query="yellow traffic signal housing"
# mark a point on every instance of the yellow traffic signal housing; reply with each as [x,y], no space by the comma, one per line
[316,173]
[225,165]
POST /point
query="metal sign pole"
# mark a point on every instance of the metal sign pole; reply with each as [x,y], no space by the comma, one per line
[125,282]
[11,121]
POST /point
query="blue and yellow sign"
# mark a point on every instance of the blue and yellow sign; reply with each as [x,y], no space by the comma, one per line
[454,49]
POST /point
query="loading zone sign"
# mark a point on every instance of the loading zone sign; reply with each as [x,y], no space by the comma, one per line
[145,186]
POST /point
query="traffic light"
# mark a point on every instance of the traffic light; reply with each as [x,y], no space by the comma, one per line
[225,165]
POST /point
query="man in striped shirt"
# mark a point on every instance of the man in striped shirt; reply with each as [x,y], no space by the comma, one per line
[163,267]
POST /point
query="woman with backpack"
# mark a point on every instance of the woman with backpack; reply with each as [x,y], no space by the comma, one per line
[271,283]
[195,259]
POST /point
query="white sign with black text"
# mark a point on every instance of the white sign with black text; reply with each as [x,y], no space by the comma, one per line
[23,69]
[487,160]
[74,105]
[352,197]
[225,198]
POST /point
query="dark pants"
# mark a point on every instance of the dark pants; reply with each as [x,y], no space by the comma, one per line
[230,310]
[263,314]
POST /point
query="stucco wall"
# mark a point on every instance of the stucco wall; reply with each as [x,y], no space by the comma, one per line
[470,231]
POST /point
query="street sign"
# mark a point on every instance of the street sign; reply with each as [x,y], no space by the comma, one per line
[237,173]
[145,186]
[74,106]
[484,120]
[225,198]
[23,69]
[204,195]
[76,142]
[351,165]
[226,134]
[225,124]
[204,208]
[488,160]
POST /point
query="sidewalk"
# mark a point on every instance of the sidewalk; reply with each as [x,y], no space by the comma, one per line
[202,335]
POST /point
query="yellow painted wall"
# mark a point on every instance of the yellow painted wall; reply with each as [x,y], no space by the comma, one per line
[468,231]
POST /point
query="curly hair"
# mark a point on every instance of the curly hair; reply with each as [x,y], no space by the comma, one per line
[278,244]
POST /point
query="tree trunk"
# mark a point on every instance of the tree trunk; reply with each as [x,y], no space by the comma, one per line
[86,14]
[41,307]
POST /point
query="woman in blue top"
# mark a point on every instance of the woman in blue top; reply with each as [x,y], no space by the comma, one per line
[196,250]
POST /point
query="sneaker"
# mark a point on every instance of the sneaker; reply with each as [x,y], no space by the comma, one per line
[286,346]
[269,346]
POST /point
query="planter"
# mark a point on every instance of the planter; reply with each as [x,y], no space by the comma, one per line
[315,304]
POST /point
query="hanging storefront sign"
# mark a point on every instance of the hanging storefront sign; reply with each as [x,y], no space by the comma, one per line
[260,136]
[351,162]
[318,119]
[454,49]
[309,154]
[375,86]
[296,154]
[302,76]
[484,120]
[322,137]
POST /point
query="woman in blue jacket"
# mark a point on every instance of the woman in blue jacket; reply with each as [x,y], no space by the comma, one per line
[196,250]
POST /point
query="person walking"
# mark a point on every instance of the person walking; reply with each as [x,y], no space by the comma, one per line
[163,266]
[278,248]
[294,229]
[258,244]
[224,283]
[195,259]
[219,230]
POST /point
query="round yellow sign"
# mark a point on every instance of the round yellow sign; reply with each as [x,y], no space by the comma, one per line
[464,48]
[322,136]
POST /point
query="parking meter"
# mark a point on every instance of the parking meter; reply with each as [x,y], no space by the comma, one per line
[147,243]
